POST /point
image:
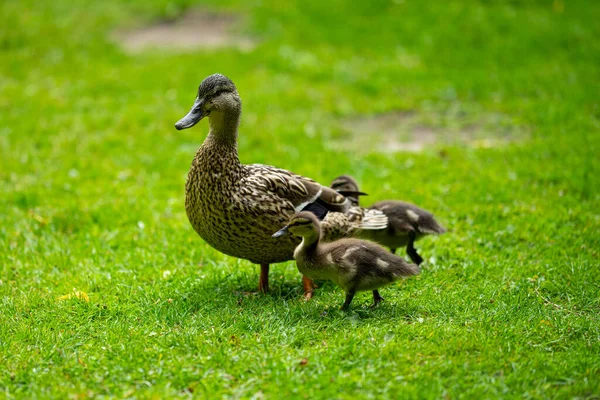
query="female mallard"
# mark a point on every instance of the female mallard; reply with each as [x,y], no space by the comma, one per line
[235,207]
[354,265]
[406,222]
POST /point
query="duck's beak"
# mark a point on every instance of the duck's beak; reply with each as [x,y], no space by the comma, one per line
[193,117]
[283,231]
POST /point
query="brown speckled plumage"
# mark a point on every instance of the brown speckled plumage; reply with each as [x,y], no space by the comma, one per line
[236,208]
[354,265]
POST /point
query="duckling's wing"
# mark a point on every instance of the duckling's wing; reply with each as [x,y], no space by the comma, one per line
[408,217]
[368,259]
[295,189]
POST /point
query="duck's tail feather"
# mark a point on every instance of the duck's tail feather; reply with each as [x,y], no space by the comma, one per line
[372,220]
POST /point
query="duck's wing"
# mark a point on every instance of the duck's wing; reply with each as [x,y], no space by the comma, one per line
[301,192]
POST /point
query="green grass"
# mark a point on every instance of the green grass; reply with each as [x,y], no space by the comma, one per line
[92,174]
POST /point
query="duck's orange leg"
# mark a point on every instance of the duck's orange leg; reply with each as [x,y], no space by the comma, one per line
[309,287]
[263,283]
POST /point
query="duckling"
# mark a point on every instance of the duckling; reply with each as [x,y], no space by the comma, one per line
[407,223]
[354,265]
[235,207]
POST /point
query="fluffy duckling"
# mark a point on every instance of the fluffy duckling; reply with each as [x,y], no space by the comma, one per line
[354,265]
[407,223]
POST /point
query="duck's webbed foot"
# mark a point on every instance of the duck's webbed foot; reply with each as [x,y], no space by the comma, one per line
[376,298]
[410,248]
[263,282]
[346,305]
[309,287]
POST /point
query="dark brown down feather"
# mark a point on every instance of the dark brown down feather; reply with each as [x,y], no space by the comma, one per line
[404,219]
[354,265]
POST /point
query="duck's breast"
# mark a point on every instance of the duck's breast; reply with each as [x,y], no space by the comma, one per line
[237,221]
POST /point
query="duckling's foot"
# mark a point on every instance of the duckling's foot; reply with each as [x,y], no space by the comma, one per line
[410,248]
[263,282]
[346,305]
[414,256]
[376,298]
[309,287]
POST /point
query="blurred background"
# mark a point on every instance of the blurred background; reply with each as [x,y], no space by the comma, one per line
[452,105]
[484,112]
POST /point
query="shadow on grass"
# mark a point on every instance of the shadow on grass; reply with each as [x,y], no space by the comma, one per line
[234,297]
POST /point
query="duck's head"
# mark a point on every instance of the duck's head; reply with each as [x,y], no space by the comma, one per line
[303,224]
[347,186]
[216,94]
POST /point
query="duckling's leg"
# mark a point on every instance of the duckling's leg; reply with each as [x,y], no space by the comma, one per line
[263,282]
[393,250]
[410,248]
[349,297]
[376,298]
[309,287]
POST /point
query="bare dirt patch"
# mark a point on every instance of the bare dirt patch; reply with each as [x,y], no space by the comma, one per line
[194,30]
[410,132]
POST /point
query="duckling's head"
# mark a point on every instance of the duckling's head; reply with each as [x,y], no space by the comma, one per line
[344,183]
[216,94]
[347,186]
[303,224]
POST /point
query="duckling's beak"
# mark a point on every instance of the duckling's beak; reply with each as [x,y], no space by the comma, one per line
[283,231]
[351,193]
[193,117]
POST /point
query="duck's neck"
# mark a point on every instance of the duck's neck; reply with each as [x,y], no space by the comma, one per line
[219,152]
[224,127]
[310,243]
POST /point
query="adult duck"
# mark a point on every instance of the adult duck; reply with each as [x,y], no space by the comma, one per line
[236,207]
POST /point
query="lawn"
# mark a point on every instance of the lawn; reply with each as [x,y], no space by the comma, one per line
[92,177]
